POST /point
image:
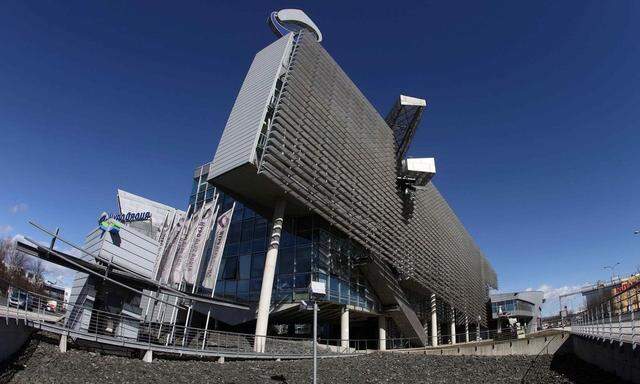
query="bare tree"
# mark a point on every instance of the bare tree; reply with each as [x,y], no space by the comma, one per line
[5,249]
[38,268]
[17,261]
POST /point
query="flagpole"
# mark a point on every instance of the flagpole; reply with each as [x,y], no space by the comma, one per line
[173,317]
[195,282]
[213,290]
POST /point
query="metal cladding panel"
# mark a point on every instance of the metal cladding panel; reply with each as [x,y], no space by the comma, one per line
[330,149]
[239,139]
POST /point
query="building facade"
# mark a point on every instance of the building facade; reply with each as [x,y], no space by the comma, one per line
[317,176]
[525,307]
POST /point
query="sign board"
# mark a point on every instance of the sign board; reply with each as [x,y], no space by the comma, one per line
[318,287]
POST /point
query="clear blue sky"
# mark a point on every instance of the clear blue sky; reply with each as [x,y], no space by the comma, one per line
[533,112]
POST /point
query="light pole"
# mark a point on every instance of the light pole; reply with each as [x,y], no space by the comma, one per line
[611,267]
[317,289]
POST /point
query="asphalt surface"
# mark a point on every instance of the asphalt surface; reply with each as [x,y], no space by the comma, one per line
[41,362]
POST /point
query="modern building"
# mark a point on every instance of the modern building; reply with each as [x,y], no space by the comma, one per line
[523,307]
[620,293]
[324,192]
[309,183]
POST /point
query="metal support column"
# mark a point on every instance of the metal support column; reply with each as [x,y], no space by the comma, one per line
[382,333]
[264,304]
[344,328]
[434,322]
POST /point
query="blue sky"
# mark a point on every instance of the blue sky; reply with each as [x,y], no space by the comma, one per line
[532,113]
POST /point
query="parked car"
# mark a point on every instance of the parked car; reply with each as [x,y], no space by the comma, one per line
[19,300]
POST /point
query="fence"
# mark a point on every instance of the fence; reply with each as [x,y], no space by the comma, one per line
[86,323]
[615,319]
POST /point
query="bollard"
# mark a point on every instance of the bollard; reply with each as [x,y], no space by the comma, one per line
[63,343]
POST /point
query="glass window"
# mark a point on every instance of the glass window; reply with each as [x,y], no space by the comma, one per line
[223,263]
[231,268]
[244,266]
[287,239]
[255,285]
[243,289]
[219,288]
[209,194]
[233,236]
[227,204]
[303,238]
[247,230]
[302,280]
[257,264]
[285,260]
[303,259]
[285,282]
[230,288]
[194,187]
[245,247]
[248,213]
[237,214]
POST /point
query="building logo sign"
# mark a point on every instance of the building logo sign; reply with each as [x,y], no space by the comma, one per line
[131,217]
[108,224]
[112,223]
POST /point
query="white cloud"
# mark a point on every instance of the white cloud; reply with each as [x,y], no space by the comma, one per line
[5,229]
[20,207]
[552,296]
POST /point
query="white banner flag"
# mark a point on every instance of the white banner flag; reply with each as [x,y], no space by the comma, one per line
[200,229]
[222,227]
[180,256]
[169,251]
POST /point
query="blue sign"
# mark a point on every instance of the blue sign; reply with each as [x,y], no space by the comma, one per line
[131,217]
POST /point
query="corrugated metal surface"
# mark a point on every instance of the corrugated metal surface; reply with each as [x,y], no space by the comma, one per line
[239,139]
[330,149]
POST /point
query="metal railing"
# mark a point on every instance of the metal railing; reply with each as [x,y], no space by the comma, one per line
[85,323]
[615,319]
[132,332]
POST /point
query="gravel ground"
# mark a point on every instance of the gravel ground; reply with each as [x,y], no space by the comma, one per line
[42,363]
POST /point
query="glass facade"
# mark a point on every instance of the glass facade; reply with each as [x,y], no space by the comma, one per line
[511,306]
[309,250]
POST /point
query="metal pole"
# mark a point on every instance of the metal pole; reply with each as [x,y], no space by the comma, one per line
[315,338]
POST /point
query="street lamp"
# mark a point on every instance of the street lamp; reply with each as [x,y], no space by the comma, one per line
[611,267]
[317,289]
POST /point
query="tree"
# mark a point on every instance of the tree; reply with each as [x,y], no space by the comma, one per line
[5,249]
[38,268]
[17,261]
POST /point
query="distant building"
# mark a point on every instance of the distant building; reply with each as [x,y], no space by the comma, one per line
[525,307]
[622,293]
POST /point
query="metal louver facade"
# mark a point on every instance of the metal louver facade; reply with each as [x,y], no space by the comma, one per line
[329,150]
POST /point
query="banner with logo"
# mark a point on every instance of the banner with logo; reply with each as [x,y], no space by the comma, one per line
[201,228]
[179,256]
[222,228]
[169,251]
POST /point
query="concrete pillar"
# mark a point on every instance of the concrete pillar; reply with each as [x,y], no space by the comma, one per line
[453,326]
[344,327]
[466,328]
[221,359]
[382,333]
[148,356]
[264,304]
[63,343]
[434,322]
